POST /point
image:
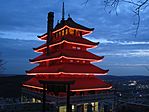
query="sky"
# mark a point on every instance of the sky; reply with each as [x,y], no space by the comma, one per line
[124,53]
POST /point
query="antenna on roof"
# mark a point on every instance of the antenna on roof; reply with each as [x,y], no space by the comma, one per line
[63,12]
[68,15]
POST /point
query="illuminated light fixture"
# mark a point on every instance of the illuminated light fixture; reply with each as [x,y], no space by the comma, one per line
[92,46]
[71,28]
[36,87]
[93,60]
[58,73]
[91,89]
[42,37]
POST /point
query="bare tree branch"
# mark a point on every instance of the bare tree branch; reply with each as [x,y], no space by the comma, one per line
[138,6]
[84,3]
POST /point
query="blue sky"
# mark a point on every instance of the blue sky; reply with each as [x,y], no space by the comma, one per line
[124,53]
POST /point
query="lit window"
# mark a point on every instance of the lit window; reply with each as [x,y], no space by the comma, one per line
[73,107]
[71,60]
[83,61]
[59,33]
[34,100]
[92,104]
[71,31]
[66,31]
[78,48]
[62,32]
[74,47]
[78,61]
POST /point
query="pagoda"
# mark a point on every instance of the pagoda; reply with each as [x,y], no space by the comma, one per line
[64,57]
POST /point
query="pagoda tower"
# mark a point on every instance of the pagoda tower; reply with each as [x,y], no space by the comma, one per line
[65,56]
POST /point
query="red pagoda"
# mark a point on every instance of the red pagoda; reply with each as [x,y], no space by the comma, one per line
[64,57]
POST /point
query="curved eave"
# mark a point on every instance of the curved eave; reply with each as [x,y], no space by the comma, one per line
[60,73]
[66,57]
[92,89]
[73,90]
[43,37]
[104,72]
[84,32]
[39,49]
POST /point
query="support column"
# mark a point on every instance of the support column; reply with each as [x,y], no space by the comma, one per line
[44,98]
[68,99]
[99,106]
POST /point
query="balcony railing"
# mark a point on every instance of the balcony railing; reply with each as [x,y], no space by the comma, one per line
[73,99]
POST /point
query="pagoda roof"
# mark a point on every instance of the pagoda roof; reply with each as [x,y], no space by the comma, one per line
[70,23]
[68,39]
[82,83]
[43,36]
[68,68]
[69,54]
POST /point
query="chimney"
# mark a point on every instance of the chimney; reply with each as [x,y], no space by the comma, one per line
[49,29]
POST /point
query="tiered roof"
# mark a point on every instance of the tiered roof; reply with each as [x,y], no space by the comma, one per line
[67,68]
[65,57]
[82,83]
[68,54]
[69,23]
[68,39]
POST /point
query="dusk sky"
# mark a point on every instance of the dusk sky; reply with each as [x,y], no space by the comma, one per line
[124,53]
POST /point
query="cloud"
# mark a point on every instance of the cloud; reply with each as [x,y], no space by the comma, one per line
[30,16]
[127,53]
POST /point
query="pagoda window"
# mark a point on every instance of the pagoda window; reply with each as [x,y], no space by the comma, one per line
[73,47]
[63,32]
[83,61]
[78,48]
[71,31]
[60,33]
[66,31]
[71,61]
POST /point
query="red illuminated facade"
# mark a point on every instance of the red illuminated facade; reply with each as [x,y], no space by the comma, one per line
[64,56]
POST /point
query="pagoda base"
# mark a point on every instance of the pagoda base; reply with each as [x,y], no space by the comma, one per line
[85,92]
[79,103]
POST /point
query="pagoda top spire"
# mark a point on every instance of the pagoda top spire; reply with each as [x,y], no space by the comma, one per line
[63,12]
